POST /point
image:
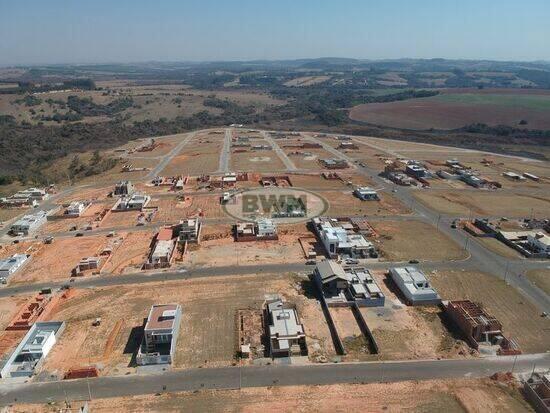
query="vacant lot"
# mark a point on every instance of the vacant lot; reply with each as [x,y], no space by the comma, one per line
[541,278]
[343,203]
[55,261]
[200,155]
[454,109]
[492,203]
[400,241]
[129,253]
[520,319]
[219,248]
[256,161]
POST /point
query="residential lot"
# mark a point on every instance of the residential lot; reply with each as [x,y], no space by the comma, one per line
[399,241]
[520,319]
[485,203]
[541,278]
[219,248]
[55,261]
[345,203]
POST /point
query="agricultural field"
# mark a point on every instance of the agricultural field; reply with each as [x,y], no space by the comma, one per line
[306,81]
[455,108]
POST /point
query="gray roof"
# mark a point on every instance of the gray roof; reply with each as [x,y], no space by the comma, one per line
[330,270]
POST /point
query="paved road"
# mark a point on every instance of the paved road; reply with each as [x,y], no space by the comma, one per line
[225,154]
[242,377]
[282,155]
[171,155]
[484,259]
[184,273]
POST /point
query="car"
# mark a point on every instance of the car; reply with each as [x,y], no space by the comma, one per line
[453,224]
[311,262]
[414,261]
[79,234]
[351,261]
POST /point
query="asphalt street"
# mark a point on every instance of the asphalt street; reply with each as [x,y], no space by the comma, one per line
[281,375]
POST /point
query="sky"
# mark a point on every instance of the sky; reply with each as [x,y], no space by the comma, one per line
[101,31]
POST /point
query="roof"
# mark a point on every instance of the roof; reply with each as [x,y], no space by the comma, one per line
[162,317]
[285,321]
[330,270]
[16,259]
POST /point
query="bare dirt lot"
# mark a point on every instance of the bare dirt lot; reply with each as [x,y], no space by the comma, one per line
[520,319]
[541,278]
[399,241]
[55,261]
[485,203]
[219,248]
[200,156]
[130,253]
[256,161]
[452,396]
[343,203]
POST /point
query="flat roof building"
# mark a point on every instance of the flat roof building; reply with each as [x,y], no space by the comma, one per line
[286,334]
[135,202]
[33,349]
[76,208]
[339,241]
[160,335]
[364,193]
[28,223]
[414,286]
[10,265]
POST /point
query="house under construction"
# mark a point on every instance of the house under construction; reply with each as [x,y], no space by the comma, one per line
[479,327]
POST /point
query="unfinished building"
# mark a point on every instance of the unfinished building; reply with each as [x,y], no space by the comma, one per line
[134,202]
[537,391]
[29,312]
[287,337]
[332,163]
[364,193]
[340,239]
[86,264]
[32,350]
[480,328]
[414,286]
[162,251]
[262,230]
[160,335]
[124,188]
[188,231]
[346,286]
[278,180]
[76,208]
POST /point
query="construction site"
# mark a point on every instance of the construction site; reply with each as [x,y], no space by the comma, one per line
[396,268]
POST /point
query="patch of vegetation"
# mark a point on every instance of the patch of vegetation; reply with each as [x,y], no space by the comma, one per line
[87,107]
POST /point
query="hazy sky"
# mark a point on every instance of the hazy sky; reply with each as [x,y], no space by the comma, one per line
[83,31]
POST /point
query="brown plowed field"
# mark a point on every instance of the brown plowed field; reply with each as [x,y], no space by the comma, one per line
[456,108]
